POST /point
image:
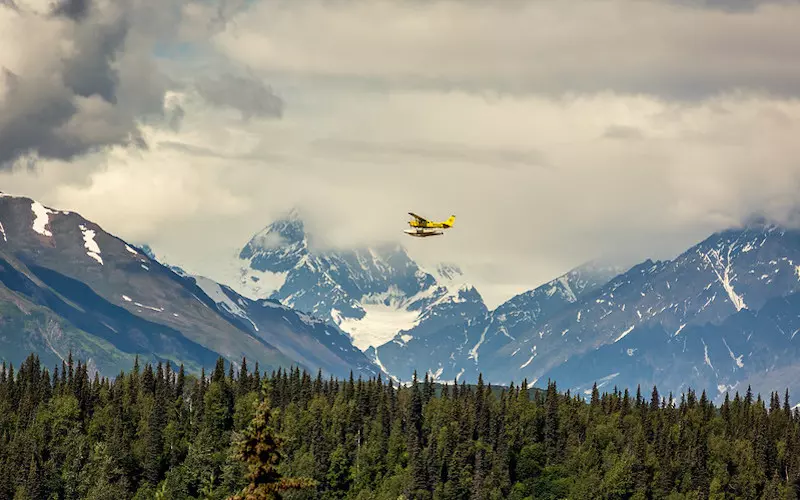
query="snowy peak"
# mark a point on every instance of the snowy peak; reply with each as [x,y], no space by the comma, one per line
[370,292]
[27,224]
[279,247]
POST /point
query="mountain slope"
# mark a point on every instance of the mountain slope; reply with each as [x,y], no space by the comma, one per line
[735,281]
[452,349]
[108,290]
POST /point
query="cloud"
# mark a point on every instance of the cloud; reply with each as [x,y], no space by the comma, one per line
[204,190]
[655,47]
[622,132]
[440,152]
[73,9]
[81,83]
[247,94]
[556,132]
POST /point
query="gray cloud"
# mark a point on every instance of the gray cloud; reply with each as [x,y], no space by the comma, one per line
[622,132]
[73,9]
[85,82]
[440,152]
[175,117]
[247,94]
[682,50]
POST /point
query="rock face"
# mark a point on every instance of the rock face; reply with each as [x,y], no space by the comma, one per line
[67,285]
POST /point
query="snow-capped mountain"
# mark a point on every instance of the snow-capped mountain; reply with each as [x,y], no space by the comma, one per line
[724,314]
[370,293]
[452,349]
[66,284]
[719,317]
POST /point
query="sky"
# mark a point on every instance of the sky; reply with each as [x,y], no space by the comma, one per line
[556,132]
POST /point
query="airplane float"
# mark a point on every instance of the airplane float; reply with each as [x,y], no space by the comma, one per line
[424,228]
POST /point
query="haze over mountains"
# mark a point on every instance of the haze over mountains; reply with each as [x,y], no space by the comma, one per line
[721,316]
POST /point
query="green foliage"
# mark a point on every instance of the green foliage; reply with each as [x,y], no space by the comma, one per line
[158,433]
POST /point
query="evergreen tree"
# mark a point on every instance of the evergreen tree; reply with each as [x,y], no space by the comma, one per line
[260,450]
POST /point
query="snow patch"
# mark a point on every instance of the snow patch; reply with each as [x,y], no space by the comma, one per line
[131,250]
[126,298]
[242,278]
[523,365]
[3,230]
[92,248]
[631,351]
[567,289]
[156,309]
[725,277]
[705,354]
[679,329]
[473,353]
[379,325]
[603,381]
[625,333]
[215,293]
[377,361]
[737,359]
[41,220]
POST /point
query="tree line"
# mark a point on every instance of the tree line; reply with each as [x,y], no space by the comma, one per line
[158,432]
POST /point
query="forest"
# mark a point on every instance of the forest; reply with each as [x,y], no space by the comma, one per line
[159,433]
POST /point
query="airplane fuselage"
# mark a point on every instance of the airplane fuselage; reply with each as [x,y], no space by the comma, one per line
[426,224]
[429,225]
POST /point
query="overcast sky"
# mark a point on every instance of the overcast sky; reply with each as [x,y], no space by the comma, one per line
[556,131]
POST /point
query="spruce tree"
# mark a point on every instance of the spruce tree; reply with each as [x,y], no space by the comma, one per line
[259,448]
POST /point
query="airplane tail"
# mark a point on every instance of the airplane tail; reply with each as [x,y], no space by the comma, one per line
[451,220]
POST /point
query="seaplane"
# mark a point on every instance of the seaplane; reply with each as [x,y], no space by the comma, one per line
[424,228]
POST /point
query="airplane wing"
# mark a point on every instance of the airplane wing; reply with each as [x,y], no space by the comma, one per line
[420,219]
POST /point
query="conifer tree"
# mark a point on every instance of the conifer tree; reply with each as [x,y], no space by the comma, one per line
[260,450]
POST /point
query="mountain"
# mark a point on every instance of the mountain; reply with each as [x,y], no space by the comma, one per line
[723,315]
[719,317]
[370,293]
[451,349]
[67,285]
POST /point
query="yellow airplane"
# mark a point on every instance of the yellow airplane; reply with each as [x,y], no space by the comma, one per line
[424,227]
